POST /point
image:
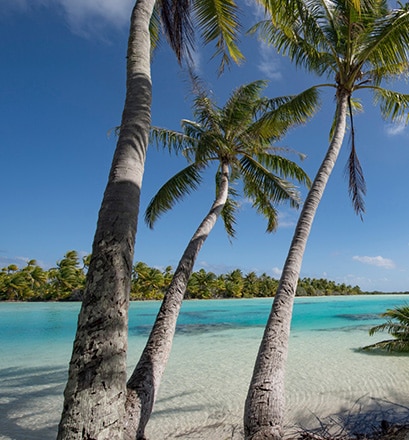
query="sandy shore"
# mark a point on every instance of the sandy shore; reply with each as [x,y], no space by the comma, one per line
[326,377]
[203,391]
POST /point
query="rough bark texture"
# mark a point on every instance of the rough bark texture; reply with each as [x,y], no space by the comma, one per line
[264,407]
[95,393]
[144,383]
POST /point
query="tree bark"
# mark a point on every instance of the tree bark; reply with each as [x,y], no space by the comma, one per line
[95,393]
[265,403]
[144,383]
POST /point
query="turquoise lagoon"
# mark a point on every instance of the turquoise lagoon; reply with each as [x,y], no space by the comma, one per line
[204,387]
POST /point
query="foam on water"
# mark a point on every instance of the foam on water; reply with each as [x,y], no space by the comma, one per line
[205,384]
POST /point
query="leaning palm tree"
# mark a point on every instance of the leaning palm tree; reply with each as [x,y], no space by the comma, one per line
[237,138]
[357,46]
[397,325]
[95,394]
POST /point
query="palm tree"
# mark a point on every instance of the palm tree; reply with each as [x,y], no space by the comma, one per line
[357,46]
[237,139]
[95,394]
[397,325]
[233,284]
[147,282]
[202,284]
[67,277]
[251,285]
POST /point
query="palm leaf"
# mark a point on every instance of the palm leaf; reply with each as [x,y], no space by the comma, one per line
[285,167]
[178,27]
[242,105]
[219,22]
[388,39]
[228,216]
[287,112]
[173,191]
[172,140]
[255,176]
[397,325]
[356,181]
[262,203]
[394,105]
[390,345]
[155,27]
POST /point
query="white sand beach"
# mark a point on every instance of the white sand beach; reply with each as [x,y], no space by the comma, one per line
[205,385]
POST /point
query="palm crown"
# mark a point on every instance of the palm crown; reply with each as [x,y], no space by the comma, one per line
[238,135]
[218,21]
[397,325]
[357,44]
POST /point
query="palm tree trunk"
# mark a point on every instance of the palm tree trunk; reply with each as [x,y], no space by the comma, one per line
[265,404]
[144,383]
[95,393]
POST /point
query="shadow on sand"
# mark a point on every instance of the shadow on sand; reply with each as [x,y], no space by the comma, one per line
[31,402]
[369,418]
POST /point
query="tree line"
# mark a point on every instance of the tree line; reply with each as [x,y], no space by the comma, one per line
[66,281]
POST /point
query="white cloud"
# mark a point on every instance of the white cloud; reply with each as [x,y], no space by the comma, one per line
[84,17]
[378,261]
[197,62]
[277,271]
[286,219]
[9,6]
[258,10]
[395,129]
[18,261]
[269,64]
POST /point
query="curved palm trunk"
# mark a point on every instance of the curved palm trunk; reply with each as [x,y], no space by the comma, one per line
[264,407]
[95,393]
[144,383]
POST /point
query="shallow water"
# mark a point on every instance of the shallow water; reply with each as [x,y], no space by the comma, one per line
[204,387]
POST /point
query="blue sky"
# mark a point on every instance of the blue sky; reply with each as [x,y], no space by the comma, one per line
[62,85]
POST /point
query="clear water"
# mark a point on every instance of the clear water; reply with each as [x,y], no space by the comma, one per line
[213,355]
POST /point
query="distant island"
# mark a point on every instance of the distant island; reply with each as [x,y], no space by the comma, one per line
[66,282]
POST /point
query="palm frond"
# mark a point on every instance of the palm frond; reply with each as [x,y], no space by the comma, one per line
[393,105]
[286,168]
[174,141]
[376,74]
[228,216]
[219,22]
[397,325]
[401,314]
[291,42]
[206,112]
[176,18]
[263,205]
[173,191]
[387,40]
[356,181]
[276,189]
[288,112]
[242,105]
[390,345]
[228,213]
[155,27]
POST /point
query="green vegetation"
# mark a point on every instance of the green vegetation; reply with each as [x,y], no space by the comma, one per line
[66,281]
[33,283]
[397,325]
